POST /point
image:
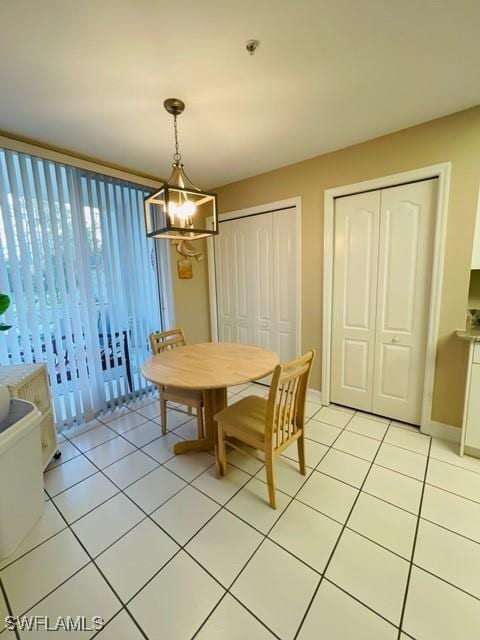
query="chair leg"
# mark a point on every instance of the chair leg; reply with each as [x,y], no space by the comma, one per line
[222,452]
[301,454]
[270,478]
[200,422]
[163,414]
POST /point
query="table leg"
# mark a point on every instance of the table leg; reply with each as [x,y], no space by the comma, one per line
[214,400]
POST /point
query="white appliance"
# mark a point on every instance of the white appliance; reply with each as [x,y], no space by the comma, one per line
[256,281]
[383,257]
[21,474]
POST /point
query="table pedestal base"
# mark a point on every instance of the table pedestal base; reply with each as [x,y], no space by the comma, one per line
[214,400]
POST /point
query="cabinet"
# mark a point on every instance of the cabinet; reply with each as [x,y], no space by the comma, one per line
[471,419]
[30,382]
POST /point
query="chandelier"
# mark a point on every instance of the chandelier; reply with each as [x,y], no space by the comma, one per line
[179,210]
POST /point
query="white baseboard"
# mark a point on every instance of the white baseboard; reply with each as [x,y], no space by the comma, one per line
[443,431]
[314,395]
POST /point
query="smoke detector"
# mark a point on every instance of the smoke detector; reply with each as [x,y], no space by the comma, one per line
[251,46]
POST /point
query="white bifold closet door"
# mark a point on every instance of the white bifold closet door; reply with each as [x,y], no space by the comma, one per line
[255,275]
[381,295]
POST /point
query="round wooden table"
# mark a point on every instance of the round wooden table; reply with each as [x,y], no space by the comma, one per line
[211,367]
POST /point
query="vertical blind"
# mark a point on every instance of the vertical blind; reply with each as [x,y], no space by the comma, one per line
[82,276]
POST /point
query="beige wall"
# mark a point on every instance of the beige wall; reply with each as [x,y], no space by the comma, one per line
[455,138]
[192,310]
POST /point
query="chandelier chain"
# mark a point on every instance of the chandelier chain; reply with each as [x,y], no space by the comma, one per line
[177,155]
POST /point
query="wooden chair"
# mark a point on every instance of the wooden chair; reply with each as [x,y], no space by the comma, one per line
[272,424]
[163,341]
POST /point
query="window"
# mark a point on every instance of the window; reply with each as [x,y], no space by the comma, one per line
[82,276]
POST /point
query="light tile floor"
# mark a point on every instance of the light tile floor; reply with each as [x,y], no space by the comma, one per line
[380,540]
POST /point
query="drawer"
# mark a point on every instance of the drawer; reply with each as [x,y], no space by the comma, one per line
[476,353]
[49,438]
[36,390]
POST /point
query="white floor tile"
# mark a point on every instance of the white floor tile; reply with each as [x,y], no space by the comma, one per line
[373,416]
[139,403]
[121,627]
[68,451]
[129,469]
[48,525]
[110,452]
[321,432]
[463,482]
[33,576]
[145,433]
[334,615]
[448,556]
[85,594]
[417,442]
[277,588]
[394,487]
[330,496]
[312,408]
[188,430]
[154,489]
[177,600]
[175,419]
[112,414]
[84,496]
[134,559]
[345,467]
[224,546]
[93,438]
[150,411]
[251,504]
[287,475]
[373,575]
[107,523]
[3,612]
[190,465]
[332,416]
[367,426]
[449,452]
[437,611]
[406,462]
[67,474]
[126,422]
[81,428]
[231,620]
[244,461]
[184,514]
[307,534]
[162,448]
[385,524]
[357,445]
[256,390]
[452,512]
[223,488]
[314,452]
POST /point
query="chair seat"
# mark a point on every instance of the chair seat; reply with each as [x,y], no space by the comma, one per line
[246,417]
[186,396]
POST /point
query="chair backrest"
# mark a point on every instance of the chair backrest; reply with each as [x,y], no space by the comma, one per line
[164,340]
[286,400]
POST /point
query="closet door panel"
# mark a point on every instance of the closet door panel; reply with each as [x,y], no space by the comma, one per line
[260,280]
[354,299]
[285,283]
[405,260]
[224,249]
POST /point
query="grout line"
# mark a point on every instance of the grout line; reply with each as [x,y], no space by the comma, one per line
[337,543]
[9,608]
[407,585]
[224,506]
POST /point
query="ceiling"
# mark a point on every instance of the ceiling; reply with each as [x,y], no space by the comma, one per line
[91,76]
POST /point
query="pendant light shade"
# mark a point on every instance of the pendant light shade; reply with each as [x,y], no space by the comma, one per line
[179,210]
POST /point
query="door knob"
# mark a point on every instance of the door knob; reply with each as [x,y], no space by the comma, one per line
[395,339]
